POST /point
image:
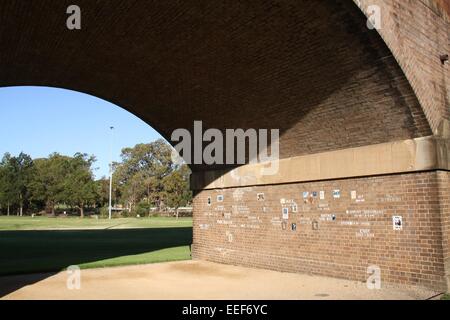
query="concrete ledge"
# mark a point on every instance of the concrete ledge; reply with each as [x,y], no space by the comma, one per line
[426,153]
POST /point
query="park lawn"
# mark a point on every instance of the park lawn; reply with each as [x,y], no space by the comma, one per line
[33,245]
[46,223]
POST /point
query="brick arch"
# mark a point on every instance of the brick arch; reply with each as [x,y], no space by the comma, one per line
[311,69]
[417,33]
[355,110]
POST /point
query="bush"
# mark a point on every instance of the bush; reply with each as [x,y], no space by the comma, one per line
[103,212]
[142,209]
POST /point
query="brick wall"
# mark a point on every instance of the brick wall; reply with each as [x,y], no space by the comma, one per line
[351,234]
[444,202]
[418,32]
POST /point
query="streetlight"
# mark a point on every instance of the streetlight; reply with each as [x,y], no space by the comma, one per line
[110,171]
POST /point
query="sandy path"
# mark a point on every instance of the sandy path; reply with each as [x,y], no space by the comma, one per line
[195,280]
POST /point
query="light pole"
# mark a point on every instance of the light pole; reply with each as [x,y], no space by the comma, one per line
[110,171]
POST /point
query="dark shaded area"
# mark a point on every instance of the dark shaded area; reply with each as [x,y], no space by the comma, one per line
[53,250]
[10,284]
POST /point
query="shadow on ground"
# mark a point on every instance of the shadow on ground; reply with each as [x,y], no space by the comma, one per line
[49,251]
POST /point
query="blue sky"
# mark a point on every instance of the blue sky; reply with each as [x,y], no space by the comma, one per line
[42,120]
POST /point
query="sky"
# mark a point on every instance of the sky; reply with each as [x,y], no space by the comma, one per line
[42,120]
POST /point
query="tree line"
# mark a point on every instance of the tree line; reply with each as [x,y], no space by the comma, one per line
[145,179]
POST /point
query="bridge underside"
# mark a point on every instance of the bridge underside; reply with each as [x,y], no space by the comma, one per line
[359,144]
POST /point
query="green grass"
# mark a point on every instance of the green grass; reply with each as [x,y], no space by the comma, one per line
[446,296]
[31,245]
[45,223]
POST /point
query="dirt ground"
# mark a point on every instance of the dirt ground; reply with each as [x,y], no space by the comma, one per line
[188,280]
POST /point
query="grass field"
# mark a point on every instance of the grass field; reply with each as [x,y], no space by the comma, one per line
[43,223]
[30,245]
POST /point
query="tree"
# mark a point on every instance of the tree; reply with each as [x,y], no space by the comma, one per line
[47,183]
[176,188]
[15,176]
[6,180]
[102,190]
[79,185]
[146,173]
[23,165]
[142,171]
[62,179]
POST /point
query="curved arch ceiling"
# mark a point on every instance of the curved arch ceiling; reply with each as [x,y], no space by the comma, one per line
[310,68]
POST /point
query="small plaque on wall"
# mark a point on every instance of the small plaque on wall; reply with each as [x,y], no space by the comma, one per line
[322,195]
[285,213]
[397,222]
[337,194]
